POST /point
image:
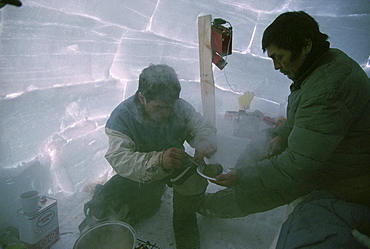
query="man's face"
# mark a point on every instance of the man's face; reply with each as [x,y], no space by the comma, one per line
[157,109]
[282,61]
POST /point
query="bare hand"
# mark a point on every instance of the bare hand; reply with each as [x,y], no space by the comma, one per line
[174,158]
[274,146]
[204,149]
[228,180]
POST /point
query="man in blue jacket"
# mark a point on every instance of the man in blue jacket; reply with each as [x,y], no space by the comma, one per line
[146,149]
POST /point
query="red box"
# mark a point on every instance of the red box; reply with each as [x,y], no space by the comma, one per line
[221,39]
[39,230]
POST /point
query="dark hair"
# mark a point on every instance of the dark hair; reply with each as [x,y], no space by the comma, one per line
[159,81]
[290,30]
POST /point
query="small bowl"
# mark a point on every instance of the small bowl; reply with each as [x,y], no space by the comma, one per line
[201,168]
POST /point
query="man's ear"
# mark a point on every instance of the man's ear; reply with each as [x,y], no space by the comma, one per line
[141,98]
[307,49]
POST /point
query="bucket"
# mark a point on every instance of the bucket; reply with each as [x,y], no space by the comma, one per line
[107,235]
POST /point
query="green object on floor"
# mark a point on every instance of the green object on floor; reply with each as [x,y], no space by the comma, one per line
[16,246]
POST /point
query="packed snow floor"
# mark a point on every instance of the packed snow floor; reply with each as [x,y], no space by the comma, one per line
[255,231]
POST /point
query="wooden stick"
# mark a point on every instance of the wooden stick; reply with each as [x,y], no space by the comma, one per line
[206,73]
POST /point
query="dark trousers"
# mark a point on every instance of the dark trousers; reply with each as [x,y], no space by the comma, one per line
[185,224]
[125,200]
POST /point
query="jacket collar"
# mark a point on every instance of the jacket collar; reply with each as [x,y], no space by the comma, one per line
[327,57]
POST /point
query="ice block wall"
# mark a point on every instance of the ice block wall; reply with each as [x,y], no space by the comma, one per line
[64,66]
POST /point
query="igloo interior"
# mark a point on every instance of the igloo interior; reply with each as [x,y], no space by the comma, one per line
[65,65]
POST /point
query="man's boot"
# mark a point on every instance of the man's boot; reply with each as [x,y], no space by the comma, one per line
[185,224]
[213,205]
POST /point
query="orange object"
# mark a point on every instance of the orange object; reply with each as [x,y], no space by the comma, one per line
[280,121]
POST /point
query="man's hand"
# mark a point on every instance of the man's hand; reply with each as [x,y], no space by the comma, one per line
[174,158]
[274,146]
[204,149]
[227,180]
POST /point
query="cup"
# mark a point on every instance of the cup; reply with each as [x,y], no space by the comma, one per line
[29,201]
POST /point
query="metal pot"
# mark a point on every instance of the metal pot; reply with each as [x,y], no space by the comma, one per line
[107,235]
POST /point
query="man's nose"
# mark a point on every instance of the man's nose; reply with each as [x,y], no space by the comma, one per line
[277,65]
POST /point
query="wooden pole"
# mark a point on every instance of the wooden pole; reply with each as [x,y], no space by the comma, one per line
[206,73]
